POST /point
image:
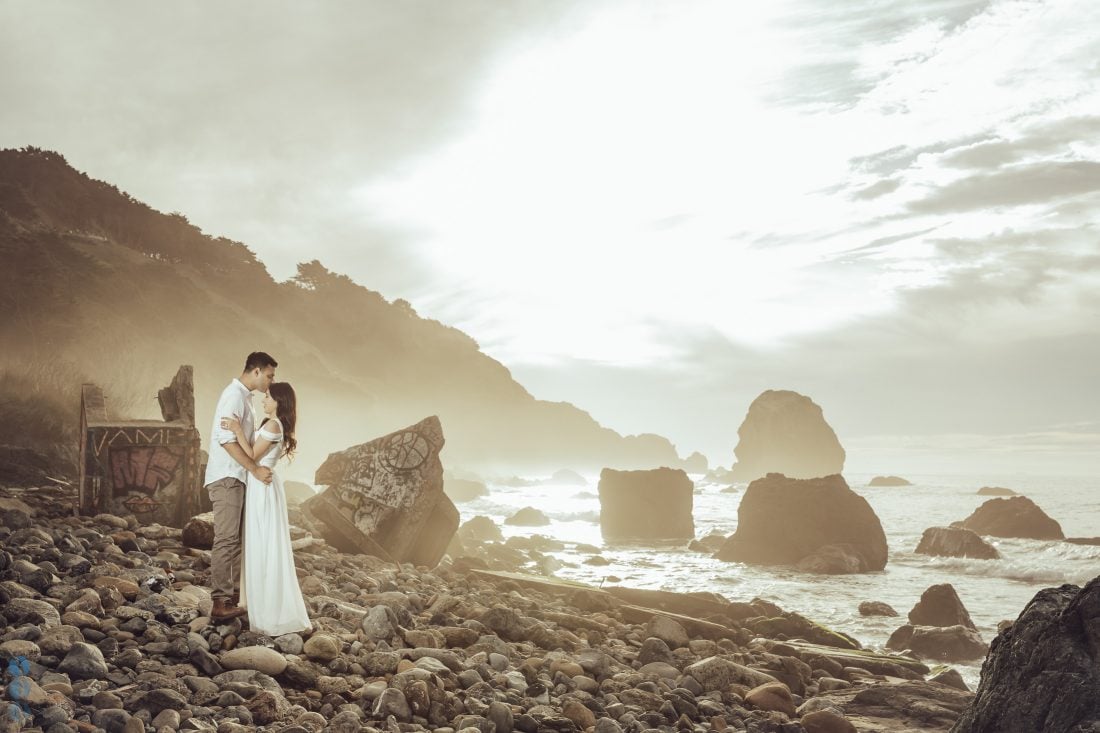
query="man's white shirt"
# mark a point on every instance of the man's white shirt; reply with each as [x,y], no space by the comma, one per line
[235,401]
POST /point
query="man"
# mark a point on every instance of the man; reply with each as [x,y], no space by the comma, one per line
[226,471]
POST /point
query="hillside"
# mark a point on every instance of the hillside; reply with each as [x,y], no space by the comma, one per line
[95,285]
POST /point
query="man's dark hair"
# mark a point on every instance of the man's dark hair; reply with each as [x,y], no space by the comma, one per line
[259,360]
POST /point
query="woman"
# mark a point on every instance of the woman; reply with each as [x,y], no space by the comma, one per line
[269,585]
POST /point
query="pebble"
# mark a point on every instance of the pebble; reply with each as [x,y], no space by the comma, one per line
[393,649]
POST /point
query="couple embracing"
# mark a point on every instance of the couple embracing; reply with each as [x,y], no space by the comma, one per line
[251,527]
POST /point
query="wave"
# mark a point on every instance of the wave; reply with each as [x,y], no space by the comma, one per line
[1031,569]
[588,516]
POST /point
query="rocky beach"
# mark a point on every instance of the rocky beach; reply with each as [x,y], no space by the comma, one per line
[111,618]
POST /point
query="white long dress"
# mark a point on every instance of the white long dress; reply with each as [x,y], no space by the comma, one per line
[269,585]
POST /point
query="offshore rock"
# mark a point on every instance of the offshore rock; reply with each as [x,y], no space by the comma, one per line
[955,542]
[785,432]
[654,504]
[782,521]
[1017,516]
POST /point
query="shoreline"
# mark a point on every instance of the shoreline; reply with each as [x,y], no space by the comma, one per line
[400,648]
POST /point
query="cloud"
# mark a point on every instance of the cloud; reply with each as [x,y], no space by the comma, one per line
[257,120]
[879,188]
[1022,185]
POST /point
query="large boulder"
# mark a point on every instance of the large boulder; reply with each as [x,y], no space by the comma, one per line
[942,643]
[909,705]
[654,504]
[782,521]
[785,432]
[955,542]
[480,529]
[385,498]
[1017,516]
[1042,671]
[940,605]
[198,533]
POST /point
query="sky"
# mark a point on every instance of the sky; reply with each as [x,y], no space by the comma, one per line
[653,210]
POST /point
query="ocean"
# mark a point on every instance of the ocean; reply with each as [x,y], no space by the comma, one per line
[991,590]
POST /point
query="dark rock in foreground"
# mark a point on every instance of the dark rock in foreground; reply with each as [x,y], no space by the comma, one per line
[654,504]
[785,432]
[1042,673]
[955,542]
[906,706]
[1014,517]
[782,521]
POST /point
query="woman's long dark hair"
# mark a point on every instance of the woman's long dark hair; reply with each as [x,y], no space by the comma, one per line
[287,412]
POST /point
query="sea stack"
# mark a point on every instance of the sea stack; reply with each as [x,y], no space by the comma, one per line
[653,504]
[785,432]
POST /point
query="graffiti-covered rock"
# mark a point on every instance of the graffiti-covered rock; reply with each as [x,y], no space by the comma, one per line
[385,497]
[148,468]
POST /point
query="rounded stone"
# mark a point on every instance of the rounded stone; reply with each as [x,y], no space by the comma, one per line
[332,685]
[29,610]
[322,647]
[581,716]
[290,643]
[668,631]
[772,696]
[84,661]
[20,648]
[80,620]
[568,668]
[826,721]
[60,639]
[501,716]
[128,588]
[87,602]
[392,702]
[259,658]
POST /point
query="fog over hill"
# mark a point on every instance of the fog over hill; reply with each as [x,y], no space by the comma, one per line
[97,285]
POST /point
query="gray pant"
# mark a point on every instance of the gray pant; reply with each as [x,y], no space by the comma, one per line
[227,496]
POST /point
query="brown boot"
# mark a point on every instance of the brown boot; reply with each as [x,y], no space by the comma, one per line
[225,610]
